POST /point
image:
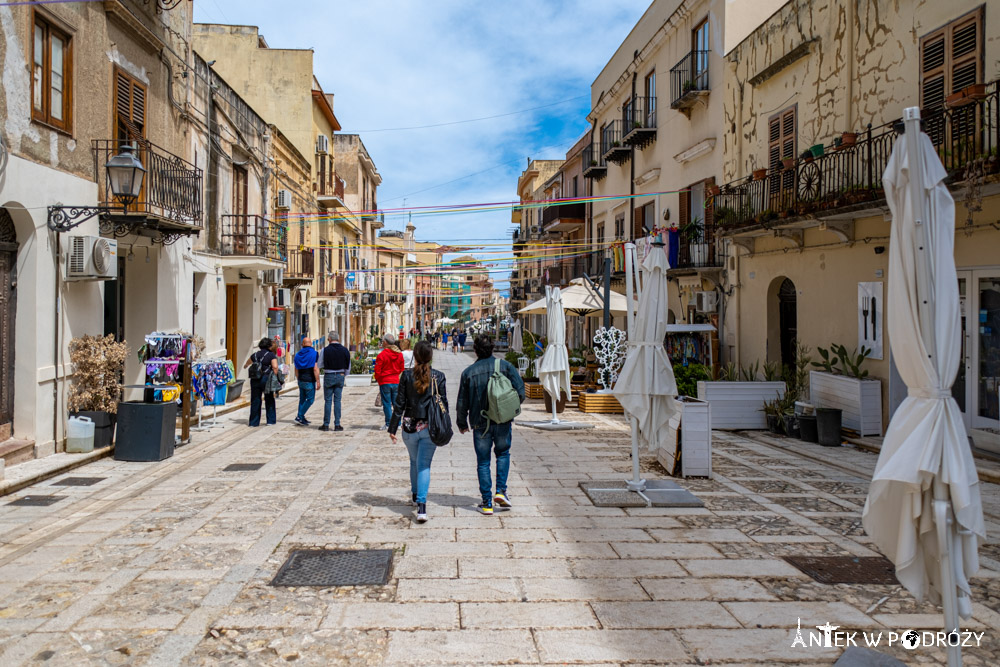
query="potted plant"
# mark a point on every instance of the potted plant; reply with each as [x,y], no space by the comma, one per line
[816,150]
[772,414]
[714,190]
[593,163]
[788,163]
[724,216]
[848,139]
[361,371]
[737,395]
[693,433]
[98,364]
[688,86]
[806,156]
[694,231]
[842,384]
[760,174]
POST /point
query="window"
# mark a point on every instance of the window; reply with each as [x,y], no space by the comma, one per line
[650,91]
[620,226]
[240,181]
[576,185]
[781,139]
[600,236]
[130,108]
[701,47]
[951,59]
[52,76]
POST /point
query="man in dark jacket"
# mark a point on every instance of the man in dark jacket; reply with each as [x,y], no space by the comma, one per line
[487,437]
[307,373]
[336,364]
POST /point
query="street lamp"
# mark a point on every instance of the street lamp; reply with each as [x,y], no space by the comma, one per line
[125,173]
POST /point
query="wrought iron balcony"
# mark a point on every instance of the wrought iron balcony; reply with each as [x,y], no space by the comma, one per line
[330,190]
[171,198]
[254,236]
[846,177]
[639,121]
[563,217]
[301,266]
[594,165]
[612,147]
[689,80]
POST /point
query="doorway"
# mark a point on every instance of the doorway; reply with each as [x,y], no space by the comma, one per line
[788,321]
[232,322]
[8,311]
[977,387]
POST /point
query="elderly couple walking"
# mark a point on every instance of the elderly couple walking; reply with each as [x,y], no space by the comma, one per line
[335,362]
[413,400]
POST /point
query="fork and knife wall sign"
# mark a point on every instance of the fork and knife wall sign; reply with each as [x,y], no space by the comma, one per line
[870,319]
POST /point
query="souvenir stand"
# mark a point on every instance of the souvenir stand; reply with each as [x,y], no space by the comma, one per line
[690,344]
[146,428]
[210,380]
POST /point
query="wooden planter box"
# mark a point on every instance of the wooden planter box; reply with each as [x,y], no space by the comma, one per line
[605,404]
[534,390]
[860,400]
[358,380]
[695,439]
[739,405]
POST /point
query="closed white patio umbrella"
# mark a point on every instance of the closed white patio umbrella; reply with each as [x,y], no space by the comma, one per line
[923,508]
[646,387]
[553,370]
[516,339]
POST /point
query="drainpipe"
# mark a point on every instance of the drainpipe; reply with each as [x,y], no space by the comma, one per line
[852,10]
[631,160]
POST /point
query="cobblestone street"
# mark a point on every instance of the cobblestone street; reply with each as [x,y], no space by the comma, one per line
[170,563]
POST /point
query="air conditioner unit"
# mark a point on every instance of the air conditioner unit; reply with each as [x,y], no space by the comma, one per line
[364,263]
[536,283]
[706,302]
[283,299]
[284,199]
[323,144]
[92,258]
[354,253]
[274,276]
[338,310]
[322,311]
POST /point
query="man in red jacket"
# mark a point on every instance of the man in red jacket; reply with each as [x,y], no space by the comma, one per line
[388,366]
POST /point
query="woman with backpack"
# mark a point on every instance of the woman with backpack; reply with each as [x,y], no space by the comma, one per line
[414,401]
[261,365]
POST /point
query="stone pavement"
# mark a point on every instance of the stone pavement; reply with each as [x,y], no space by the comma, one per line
[169,563]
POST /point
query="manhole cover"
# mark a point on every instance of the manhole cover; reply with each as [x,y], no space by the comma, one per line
[242,467]
[36,501]
[846,569]
[329,567]
[78,481]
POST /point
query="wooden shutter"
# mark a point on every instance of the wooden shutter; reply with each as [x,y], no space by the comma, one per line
[130,107]
[637,223]
[709,221]
[781,136]
[684,207]
[950,60]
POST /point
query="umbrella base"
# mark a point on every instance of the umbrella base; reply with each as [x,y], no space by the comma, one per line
[558,426]
[658,493]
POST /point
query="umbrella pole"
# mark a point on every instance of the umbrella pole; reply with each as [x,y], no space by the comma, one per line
[635,484]
[925,308]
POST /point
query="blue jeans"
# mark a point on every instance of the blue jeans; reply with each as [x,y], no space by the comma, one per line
[256,392]
[333,389]
[421,451]
[388,393]
[497,440]
[307,394]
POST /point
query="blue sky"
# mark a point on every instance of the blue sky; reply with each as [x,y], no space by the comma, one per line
[402,63]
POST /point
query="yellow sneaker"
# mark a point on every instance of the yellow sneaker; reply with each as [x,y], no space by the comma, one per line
[501,501]
[485,508]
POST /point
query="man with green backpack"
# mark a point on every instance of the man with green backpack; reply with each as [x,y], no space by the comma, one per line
[490,393]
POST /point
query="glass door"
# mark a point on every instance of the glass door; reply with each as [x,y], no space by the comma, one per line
[986,351]
[961,389]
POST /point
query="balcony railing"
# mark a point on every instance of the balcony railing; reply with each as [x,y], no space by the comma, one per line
[594,164]
[689,79]
[612,147]
[567,213]
[301,266]
[639,121]
[847,176]
[332,187]
[254,236]
[171,188]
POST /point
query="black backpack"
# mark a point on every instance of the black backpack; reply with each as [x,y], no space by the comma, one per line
[256,371]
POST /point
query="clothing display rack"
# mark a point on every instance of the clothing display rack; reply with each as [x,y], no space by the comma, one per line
[207,377]
[167,358]
[690,343]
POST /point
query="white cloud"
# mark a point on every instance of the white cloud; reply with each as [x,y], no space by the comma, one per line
[403,63]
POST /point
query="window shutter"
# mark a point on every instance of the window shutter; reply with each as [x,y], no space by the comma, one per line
[637,232]
[130,105]
[684,207]
[965,53]
[932,71]
[709,221]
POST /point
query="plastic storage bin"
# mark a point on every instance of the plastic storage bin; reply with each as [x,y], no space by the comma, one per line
[80,435]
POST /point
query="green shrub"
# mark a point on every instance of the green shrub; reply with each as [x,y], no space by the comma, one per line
[687,378]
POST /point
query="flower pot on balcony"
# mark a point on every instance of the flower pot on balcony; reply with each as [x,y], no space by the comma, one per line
[817,150]
[957,99]
[714,190]
[759,174]
[976,91]
[848,139]
[788,163]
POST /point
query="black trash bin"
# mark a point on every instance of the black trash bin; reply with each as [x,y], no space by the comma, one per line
[807,428]
[145,431]
[828,426]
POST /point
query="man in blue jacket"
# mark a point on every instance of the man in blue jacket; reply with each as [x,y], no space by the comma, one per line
[488,438]
[307,373]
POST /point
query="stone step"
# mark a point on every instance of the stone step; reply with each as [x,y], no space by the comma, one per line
[14,451]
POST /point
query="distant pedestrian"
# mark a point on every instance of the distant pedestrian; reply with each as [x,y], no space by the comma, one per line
[388,366]
[413,402]
[261,364]
[404,347]
[307,374]
[336,364]
[489,438]
[444,341]
[454,341]
[461,341]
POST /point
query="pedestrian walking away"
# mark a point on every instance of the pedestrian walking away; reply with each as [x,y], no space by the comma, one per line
[336,364]
[261,365]
[454,341]
[413,401]
[307,374]
[404,346]
[490,438]
[388,366]
[461,341]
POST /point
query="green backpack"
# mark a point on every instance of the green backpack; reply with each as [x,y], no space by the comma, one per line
[502,401]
